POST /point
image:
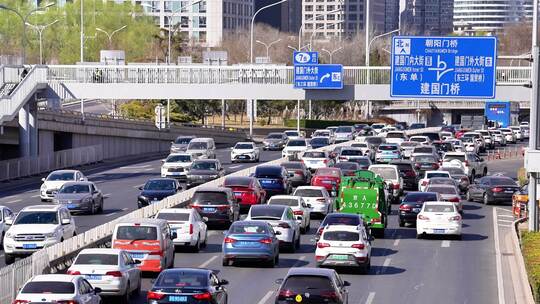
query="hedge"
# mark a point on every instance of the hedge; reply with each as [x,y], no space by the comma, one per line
[530,242]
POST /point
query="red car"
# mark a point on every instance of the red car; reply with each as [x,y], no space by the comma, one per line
[460,133]
[329,178]
[246,189]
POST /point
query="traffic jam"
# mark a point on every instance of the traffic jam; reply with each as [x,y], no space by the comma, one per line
[341,201]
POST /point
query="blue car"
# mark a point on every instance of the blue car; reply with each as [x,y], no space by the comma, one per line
[251,241]
[387,153]
[274,179]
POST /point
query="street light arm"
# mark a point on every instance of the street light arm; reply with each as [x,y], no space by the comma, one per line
[380,36]
[253,24]
[118,30]
[103,31]
[311,19]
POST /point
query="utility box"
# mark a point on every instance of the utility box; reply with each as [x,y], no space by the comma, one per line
[112,57]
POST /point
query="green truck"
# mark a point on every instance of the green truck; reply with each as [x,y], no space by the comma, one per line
[365,194]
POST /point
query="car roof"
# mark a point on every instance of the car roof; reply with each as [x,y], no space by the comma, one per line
[436,171]
[186,136]
[269,167]
[202,139]
[101,251]
[383,166]
[43,208]
[178,154]
[315,150]
[311,187]
[145,221]
[329,273]
[245,142]
[438,203]
[200,270]
[86,183]
[176,210]
[54,278]
[454,153]
[212,189]
[343,215]
[206,160]
[342,227]
[268,207]
[64,171]
[292,197]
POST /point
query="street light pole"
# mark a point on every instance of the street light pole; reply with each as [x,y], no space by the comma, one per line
[82,31]
[40,29]
[110,35]
[253,25]
[268,46]
[24,19]
[331,53]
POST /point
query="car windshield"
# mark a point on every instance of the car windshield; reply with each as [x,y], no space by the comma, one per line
[183,140]
[388,148]
[359,145]
[160,185]
[197,146]
[344,130]
[351,152]
[74,189]
[501,181]
[418,139]
[274,136]
[210,198]
[297,143]
[417,126]
[341,220]
[385,173]
[347,166]
[136,233]
[243,146]
[377,126]
[322,133]
[37,217]
[248,228]
[454,171]
[320,141]
[314,154]
[443,146]
[45,287]
[436,174]
[467,139]
[237,182]
[395,135]
[448,158]
[96,259]
[300,284]
[292,133]
[64,176]
[308,193]
[441,181]
[419,197]
[173,217]
[344,236]
[178,159]
[283,202]
[273,213]
[362,161]
[423,150]
[204,165]
[442,190]
[328,172]
[424,159]
[439,208]
[179,278]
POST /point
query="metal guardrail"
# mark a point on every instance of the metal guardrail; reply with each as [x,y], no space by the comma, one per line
[245,74]
[59,256]
[28,166]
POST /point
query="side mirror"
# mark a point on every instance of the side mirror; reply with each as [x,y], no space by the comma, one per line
[482,159]
[277,233]
[291,174]
[223,282]
[137,262]
[97,290]
[279,281]
[174,235]
[140,187]
[82,179]
[205,219]
[43,179]
[232,148]
[66,221]
[309,205]
[162,161]
[9,221]
[346,283]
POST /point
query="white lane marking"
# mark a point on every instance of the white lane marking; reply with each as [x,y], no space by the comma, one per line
[203,265]
[210,233]
[506,216]
[506,226]
[35,196]
[396,242]
[299,260]
[370,298]
[111,214]
[13,201]
[135,167]
[235,166]
[266,297]
[137,186]
[107,195]
[504,221]
[147,169]
[124,209]
[498,259]
[386,263]
[445,244]
[502,209]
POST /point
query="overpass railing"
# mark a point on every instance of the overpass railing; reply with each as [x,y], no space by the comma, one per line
[28,166]
[240,74]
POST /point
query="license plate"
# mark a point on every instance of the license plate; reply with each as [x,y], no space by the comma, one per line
[340,257]
[244,243]
[93,277]
[314,162]
[71,206]
[326,182]
[243,157]
[267,181]
[238,193]
[175,173]
[137,255]
[29,246]
[209,209]
[509,191]
[438,231]
[177,298]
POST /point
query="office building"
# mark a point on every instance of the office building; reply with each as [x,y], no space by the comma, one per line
[285,17]
[428,17]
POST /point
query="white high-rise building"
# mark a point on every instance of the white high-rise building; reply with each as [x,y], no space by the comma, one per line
[472,16]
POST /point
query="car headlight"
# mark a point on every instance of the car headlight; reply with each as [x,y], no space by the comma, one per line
[212,176]
[87,200]
[9,235]
[142,197]
[43,187]
[50,235]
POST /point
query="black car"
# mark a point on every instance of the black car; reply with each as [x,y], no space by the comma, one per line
[218,204]
[301,175]
[274,179]
[492,189]
[312,285]
[375,141]
[204,170]
[417,125]
[188,285]
[411,205]
[443,147]
[340,219]
[408,174]
[319,142]
[458,174]
[157,189]
[363,161]
[348,168]
[425,162]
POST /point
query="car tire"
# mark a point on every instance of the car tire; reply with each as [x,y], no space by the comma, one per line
[458,237]
[271,263]
[473,175]
[197,246]
[302,230]
[101,207]
[93,210]
[225,262]
[469,197]
[419,235]
[137,291]
[401,223]
[484,173]
[9,259]
[126,298]
[365,269]
[277,259]
[292,246]
[485,199]
[203,245]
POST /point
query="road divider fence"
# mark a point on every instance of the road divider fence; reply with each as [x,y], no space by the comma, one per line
[506,153]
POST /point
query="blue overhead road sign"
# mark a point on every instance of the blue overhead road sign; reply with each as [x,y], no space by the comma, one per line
[443,67]
[305,58]
[320,76]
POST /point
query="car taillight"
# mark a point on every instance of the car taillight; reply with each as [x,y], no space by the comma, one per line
[466,163]
[116,274]
[152,295]
[325,161]
[298,212]
[358,246]
[319,258]
[405,208]
[332,295]
[20,302]
[286,293]
[435,166]
[194,206]
[229,240]
[67,302]
[465,179]
[342,158]
[190,228]
[203,296]
[454,200]
[455,218]
[497,189]
[299,172]
[284,225]
[424,183]
[322,245]
[266,241]
[410,173]
[423,217]
[160,253]
[74,272]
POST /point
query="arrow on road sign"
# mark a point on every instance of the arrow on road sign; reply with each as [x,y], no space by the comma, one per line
[327,75]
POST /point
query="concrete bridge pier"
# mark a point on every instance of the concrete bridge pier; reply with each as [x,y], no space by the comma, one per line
[28,130]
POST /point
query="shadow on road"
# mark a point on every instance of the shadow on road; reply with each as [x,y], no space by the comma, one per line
[381,252]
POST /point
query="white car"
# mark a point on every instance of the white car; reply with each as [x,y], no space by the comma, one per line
[324,133]
[423,140]
[245,151]
[176,165]
[318,197]
[282,219]
[407,148]
[343,245]
[423,183]
[472,164]
[458,145]
[377,127]
[367,149]
[395,137]
[301,209]
[518,132]
[293,134]
[5,215]
[37,227]
[478,138]
[470,145]
[344,133]
[384,131]
[349,154]
[58,288]
[509,135]
[112,270]
[488,139]
[295,147]
[498,137]
[439,218]
[390,175]
[315,159]
[445,135]
[190,227]
[55,180]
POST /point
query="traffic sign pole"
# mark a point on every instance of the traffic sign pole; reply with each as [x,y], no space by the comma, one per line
[533,140]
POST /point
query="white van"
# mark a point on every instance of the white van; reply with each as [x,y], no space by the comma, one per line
[146,240]
[202,148]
